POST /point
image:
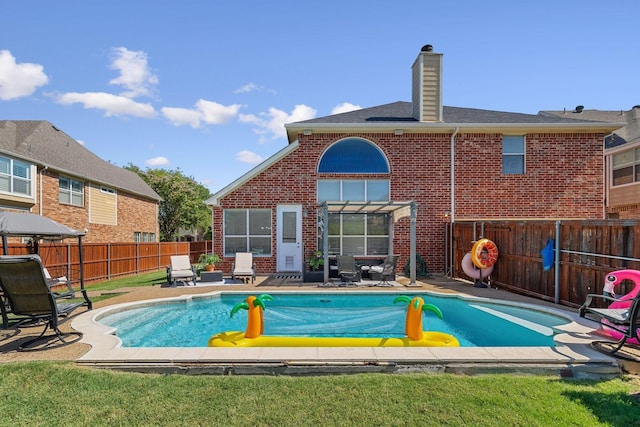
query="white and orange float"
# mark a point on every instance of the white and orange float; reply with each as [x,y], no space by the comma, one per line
[478,263]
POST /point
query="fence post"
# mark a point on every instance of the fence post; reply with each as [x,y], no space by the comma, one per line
[556,274]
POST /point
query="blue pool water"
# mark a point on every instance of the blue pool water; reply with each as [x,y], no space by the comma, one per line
[191,323]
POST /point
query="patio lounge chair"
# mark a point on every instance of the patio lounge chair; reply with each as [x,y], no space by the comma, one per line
[348,271]
[386,271]
[624,321]
[181,270]
[59,282]
[25,288]
[243,267]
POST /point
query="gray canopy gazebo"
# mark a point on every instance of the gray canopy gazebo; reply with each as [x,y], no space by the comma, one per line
[37,227]
[397,209]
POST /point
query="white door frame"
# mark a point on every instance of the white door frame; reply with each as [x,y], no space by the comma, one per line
[289,253]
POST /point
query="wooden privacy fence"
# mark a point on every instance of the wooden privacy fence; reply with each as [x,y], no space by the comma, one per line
[588,250]
[105,261]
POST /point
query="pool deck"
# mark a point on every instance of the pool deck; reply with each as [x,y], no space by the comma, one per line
[571,357]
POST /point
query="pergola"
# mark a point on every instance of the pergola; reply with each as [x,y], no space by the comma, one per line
[397,209]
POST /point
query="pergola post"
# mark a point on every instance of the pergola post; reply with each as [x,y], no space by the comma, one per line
[412,247]
[325,240]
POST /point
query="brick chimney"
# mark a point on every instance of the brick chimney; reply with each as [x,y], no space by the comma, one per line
[426,93]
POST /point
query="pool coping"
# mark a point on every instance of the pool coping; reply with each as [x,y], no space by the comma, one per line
[571,357]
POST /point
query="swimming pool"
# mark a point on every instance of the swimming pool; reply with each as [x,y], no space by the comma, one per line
[191,322]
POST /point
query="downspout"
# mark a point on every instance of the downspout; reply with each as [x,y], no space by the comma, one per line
[452,194]
[40,192]
[453,169]
[606,175]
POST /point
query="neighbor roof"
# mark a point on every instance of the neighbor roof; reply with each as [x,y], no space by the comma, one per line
[629,133]
[399,115]
[40,142]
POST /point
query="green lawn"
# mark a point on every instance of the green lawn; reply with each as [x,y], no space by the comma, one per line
[51,394]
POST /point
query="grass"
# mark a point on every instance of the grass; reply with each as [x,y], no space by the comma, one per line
[60,393]
[145,279]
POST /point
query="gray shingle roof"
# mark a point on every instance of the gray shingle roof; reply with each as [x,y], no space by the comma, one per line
[401,112]
[627,134]
[42,143]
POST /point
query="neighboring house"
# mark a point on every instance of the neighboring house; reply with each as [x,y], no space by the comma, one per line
[44,171]
[622,159]
[445,163]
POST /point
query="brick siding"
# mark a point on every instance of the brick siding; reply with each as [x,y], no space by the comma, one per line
[563,179]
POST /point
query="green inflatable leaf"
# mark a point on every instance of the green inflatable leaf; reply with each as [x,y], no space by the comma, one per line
[433,308]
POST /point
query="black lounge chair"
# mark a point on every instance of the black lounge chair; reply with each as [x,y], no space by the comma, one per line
[386,271]
[25,288]
[625,321]
[348,270]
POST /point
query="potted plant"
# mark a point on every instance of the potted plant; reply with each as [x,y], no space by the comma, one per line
[315,268]
[208,262]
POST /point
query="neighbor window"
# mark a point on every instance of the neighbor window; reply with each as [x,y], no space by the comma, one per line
[140,237]
[625,167]
[513,154]
[15,176]
[71,191]
[247,230]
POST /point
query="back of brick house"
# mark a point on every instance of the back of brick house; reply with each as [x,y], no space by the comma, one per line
[454,163]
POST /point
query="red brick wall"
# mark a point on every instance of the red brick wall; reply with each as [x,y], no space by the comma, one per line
[564,179]
[134,214]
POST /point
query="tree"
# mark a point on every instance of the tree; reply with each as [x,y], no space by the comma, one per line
[182,204]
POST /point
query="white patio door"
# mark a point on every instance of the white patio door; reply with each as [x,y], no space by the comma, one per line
[289,235]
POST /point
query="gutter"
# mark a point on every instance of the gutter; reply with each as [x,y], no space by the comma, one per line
[453,179]
[44,168]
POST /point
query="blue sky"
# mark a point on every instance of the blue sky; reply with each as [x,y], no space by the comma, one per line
[207,86]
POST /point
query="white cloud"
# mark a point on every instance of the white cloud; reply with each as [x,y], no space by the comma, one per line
[246,156]
[345,107]
[207,112]
[157,161]
[19,80]
[272,123]
[249,87]
[113,105]
[135,75]
[217,114]
[182,116]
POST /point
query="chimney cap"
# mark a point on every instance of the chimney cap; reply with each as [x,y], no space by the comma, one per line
[427,48]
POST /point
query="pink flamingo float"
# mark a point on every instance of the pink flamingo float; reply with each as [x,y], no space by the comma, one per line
[611,281]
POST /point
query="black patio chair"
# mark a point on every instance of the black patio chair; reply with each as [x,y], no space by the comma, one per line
[386,271]
[625,321]
[24,284]
[348,270]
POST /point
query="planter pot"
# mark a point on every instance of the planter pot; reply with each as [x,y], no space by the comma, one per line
[313,276]
[210,267]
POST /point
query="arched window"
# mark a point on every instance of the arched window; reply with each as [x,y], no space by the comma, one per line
[356,234]
[353,155]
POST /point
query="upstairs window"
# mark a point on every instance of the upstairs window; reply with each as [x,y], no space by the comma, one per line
[353,155]
[15,177]
[625,167]
[71,191]
[512,154]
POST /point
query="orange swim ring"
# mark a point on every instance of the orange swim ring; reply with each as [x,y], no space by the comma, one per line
[484,253]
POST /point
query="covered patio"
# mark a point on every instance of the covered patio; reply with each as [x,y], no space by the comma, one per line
[397,210]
